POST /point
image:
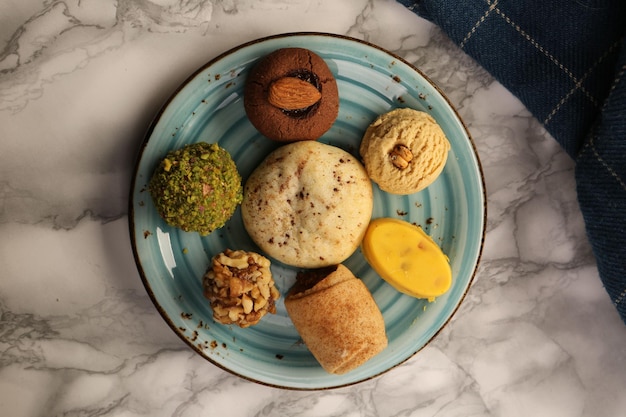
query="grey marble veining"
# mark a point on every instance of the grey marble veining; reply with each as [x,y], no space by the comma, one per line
[79,83]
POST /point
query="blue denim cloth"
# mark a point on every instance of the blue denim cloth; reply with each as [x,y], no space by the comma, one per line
[566,61]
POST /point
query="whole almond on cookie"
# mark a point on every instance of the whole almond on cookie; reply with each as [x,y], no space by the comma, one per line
[292,93]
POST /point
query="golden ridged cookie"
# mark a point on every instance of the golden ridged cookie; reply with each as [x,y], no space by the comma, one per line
[404,151]
[308,204]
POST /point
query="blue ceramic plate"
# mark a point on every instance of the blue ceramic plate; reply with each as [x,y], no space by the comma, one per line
[209,107]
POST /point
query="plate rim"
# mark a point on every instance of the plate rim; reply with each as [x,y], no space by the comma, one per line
[156,118]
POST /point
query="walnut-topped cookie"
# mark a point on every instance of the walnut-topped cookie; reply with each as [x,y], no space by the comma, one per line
[404,151]
[291,95]
[240,287]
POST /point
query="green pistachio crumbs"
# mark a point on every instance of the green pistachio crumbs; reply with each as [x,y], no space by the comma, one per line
[196,188]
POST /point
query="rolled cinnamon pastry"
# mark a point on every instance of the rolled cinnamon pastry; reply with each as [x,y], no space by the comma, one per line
[337,318]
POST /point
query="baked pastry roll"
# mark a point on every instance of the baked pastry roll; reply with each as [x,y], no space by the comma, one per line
[337,318]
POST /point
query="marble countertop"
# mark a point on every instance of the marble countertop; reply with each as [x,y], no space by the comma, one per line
[80,82]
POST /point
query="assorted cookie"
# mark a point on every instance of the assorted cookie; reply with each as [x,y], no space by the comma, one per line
[300,204]
[404,151]
[291,95]
[240,287]
[309,205]
[337,318]
[407,258]
[196,188]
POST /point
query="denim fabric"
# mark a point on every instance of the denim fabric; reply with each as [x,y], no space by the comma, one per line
[566,61]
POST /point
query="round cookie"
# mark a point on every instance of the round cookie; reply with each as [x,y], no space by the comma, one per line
[404,151]
[291,95]
[308,204]
[196,188]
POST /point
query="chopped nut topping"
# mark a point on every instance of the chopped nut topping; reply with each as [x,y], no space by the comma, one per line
[240,288]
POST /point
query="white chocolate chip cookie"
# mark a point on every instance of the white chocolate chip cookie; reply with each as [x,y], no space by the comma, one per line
[308,204]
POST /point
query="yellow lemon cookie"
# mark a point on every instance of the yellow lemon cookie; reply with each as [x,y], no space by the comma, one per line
[407,258]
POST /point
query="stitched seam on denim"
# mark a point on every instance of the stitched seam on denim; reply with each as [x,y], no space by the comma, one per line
[541,49]
[590,145]
[579,83]
[611,171]
[616,81]
[478,23]
[620,298]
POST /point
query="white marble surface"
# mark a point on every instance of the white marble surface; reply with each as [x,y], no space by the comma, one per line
[79,82]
